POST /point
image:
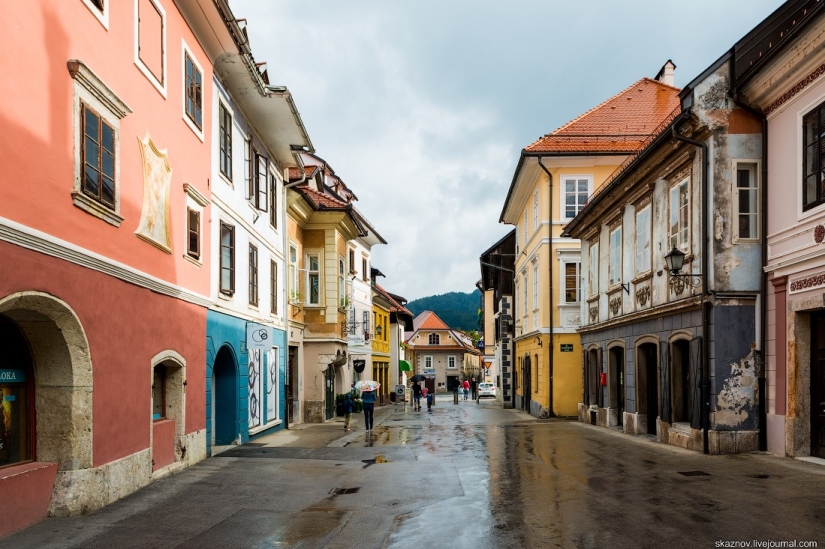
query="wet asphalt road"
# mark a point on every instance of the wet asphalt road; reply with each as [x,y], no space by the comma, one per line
[471,475]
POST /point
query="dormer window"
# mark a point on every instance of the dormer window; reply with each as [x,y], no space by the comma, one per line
[434,339]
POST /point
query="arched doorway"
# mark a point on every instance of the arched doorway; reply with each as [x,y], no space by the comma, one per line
[224,398]
[617,388]
[61,405]
[647,384]
[594,368]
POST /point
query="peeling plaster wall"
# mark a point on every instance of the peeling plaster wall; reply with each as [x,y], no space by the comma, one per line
[733,375]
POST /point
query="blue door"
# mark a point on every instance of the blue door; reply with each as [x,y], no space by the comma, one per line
[225,386]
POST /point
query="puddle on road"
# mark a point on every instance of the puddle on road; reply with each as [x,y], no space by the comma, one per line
[378,459]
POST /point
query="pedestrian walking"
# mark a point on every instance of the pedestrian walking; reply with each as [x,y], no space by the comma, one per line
[368,398]
[430,398]
[347,405]
[474,387]
[416,396]
[466,387]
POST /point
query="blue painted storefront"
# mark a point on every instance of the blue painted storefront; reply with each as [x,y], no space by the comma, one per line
[228,383]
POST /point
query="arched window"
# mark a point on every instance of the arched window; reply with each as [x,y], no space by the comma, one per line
[434,339]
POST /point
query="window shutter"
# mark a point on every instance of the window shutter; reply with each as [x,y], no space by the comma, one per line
[696,382]
[664,389]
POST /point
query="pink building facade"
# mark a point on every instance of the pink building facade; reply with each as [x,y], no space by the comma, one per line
[780,68]
[104,256]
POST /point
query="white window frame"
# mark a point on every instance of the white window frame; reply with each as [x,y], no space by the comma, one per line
[614,263]
[577,287]
[451,363]
[223,103]
[101,16]
[681,238]
[563,192]
[428,362]
[535,287]
[593,269]
[308,255]
[736,201]
[186,50]
[643,241]
[197,202]
[342,283]
[292,274]
[525,227]
[536,209]
[524,302]
[160,86]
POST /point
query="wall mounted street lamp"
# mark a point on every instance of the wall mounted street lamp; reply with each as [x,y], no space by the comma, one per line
[675,259]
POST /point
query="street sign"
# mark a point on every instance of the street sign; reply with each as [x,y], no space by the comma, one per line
[428,371]
[566,347]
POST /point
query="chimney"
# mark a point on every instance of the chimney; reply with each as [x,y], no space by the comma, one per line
[666,74]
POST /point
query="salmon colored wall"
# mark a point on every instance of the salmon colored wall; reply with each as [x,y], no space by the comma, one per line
[123,338]
[38,37]
[163,443]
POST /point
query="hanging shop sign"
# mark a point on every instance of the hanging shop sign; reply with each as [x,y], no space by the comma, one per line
[12,376]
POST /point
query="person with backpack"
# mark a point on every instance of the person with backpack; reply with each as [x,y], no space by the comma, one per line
[347,407]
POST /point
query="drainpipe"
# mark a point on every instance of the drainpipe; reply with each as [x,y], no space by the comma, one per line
[763,288]
[706,305]
[551,260]
[285,295]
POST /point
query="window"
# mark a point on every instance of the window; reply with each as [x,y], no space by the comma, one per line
[571,282]
[524,296]
[150,46]
[576,191]
[451,362]
[614,270]
[314,278]
[643,240]
[366,275]
[273,287]
[352,269]
[679,216]
[525,227]
[535,288]
[434,339]
[225,141]
[253,275]
[258,191]
[536,210]
[342,285]
[593,270]
[365,319]
[193,245]
[813,144]
[193,91]
[428,362]
[98,157]
[227,259]
[294,290]
[746,202]
[273,201]
[100,10]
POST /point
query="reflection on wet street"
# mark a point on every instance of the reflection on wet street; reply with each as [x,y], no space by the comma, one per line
[468,475]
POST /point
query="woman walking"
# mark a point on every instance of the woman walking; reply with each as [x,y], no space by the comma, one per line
[368,398]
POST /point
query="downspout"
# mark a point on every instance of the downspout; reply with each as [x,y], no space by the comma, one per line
[706,305]
[551,260]
[763,288]
[285,294]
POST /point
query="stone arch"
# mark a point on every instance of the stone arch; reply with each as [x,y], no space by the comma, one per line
[680,403]
[175,370]
[63,377]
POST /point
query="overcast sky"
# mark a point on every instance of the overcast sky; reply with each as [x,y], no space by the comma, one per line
[422,106]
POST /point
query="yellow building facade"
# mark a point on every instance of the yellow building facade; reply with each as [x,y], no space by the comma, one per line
[381,346]
[554,178]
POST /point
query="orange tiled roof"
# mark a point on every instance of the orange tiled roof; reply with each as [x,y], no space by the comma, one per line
[295,173]
[620,125]
[428,320]
[395,306]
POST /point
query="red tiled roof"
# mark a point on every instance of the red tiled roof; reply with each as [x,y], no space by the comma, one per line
[395,306]
[619,125]
[320,199]
[295,173]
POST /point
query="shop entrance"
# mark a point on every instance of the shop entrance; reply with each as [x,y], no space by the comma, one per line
[818,385]
[647,384]
[617,382]
[16,396]
[329,397]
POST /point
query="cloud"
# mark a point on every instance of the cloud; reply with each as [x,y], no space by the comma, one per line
[422,107]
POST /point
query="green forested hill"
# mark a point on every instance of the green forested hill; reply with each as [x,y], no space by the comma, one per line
[457,309]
